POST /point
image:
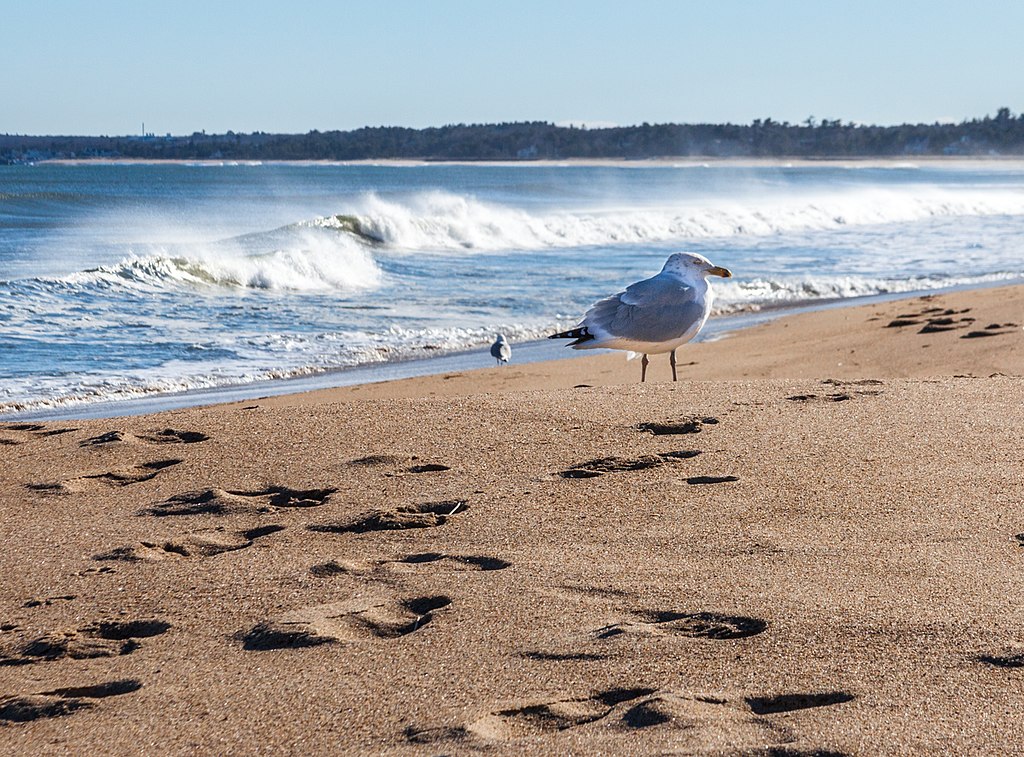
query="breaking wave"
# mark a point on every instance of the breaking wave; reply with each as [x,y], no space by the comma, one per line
[440,221]
[307,262]
[339,252]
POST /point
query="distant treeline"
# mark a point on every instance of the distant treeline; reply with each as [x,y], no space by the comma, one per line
[1002,134]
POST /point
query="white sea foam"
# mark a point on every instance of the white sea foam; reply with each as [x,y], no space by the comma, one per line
[338,252]
[440,221]
[738,295]
[310,261]
[292,356]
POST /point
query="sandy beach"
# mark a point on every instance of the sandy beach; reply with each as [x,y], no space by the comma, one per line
[812,544]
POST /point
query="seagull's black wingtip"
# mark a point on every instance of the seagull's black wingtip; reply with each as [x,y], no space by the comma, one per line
[580,334]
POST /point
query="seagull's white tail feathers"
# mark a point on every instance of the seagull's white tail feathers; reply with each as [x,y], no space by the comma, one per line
[630,355]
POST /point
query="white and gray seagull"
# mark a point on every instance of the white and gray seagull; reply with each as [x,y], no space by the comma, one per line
[652,316]
[501,350]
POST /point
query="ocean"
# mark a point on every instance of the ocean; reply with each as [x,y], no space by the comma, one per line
[124,281]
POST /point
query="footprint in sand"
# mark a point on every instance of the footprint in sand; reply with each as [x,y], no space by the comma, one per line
[174,436]
[410,563]
[27,431]
[1013,659]
[438,560]
[95,570]
[672,428]
[123,477]
[227,502]
[166,436]
[399,461]
[23,427]
[562,656]
[48,601]
[427,468]
[204,543]
[854,382]
[600,466]
[993,329]
[936,325]
[698,720]
[110,437]
[422,515]
[373,461]
[769,705]
[60,702]
[701,480]
[697,625]
[836,397]
[908,319]
[106,638]
[341,622]
[934,320]
[840,396]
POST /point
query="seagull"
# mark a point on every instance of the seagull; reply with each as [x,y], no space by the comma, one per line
[652,316]
[501,350]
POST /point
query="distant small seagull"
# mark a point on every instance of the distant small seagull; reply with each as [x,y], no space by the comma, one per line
[652,316]
[501,350]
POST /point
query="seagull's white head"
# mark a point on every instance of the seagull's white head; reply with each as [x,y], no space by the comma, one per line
[690,265]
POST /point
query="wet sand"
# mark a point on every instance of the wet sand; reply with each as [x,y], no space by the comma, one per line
[813,543]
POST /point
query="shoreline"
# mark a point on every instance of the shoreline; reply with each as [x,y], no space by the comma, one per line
[686,161]
[542,350]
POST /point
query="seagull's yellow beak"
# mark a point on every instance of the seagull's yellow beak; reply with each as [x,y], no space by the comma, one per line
[725,273]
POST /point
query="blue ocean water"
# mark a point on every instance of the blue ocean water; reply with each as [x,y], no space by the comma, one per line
[118,281]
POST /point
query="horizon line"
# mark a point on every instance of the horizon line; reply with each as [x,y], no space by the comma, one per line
[567,124]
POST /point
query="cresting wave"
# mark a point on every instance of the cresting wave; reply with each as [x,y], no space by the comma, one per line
[306,261]
[338,252]
[440,221]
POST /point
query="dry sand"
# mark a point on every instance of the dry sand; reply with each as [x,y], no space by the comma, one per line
[812,544]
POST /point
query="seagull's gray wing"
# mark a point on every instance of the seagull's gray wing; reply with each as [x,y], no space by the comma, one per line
[655,310]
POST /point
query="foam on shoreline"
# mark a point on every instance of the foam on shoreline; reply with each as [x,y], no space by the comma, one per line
[464,360]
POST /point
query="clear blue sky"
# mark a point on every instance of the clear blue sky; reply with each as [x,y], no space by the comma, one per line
[104,67]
